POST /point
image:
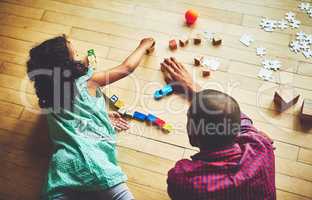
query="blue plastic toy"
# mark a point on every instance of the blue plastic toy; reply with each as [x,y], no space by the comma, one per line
[114,98]
[139,116]
[165,91]
[151,118]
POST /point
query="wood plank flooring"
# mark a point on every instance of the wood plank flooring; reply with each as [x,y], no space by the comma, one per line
[114,28]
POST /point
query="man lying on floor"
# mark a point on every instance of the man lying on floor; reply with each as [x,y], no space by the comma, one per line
[236,161]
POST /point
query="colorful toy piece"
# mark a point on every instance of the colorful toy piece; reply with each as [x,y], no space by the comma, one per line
[151,118]
[113,99]
[139,116]
[165,91]
[92,58]
[167,127]
[173,45]
[159,122]
[119,104]
[191,17]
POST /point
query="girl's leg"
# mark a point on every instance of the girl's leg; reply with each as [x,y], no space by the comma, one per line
[118,192]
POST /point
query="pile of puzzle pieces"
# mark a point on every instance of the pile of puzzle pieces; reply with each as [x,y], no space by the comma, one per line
[302,44]
[269,25]
[149,118]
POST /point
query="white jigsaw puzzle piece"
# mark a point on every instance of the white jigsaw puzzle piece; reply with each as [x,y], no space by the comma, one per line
[309,39]
[295,46]
[301,35]
[246,39]
[307,53]
[208,35]
[295,23]
[282,24]
[304,6]
[212,64]
[290,16]
[309,12]
[271,64]
[261,51]
[265,74]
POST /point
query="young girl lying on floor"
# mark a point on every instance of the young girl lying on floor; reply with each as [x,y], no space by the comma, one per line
[83,164]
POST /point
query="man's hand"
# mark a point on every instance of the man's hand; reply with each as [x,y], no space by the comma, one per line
[118,122]
[176,75]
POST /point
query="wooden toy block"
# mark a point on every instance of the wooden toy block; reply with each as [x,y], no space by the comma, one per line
[151,118]
[216,41]
[167,127]
[129,113]
[183,42]
[206,72]
[113,99]
[197,40]
[285,97]
[306,111]
[159,122]
[173,45]
[139,116]
[197,61]
[119,104]
[122,111]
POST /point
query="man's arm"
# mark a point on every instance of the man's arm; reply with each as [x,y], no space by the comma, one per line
[176,74]
[126,67]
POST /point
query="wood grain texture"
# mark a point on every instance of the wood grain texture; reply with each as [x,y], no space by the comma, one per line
[114,28]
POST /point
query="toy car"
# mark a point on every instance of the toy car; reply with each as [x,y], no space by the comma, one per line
[165,91]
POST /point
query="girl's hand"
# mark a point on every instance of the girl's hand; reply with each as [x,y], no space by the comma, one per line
[117,121]
[147,43]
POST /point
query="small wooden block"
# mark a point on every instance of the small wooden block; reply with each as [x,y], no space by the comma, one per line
[197,40]
[122,111]
[285,97]
[113,99]
[119,104]
[173,45]
[206,72]
[216,41]
[306,111]
[197,61]
[150,50]
[167,127]
[183,42]
[159,122]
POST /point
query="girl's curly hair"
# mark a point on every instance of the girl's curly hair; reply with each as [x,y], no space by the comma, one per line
[51,67]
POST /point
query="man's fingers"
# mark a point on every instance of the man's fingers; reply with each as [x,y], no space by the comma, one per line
[178,64]
[168,70]
[171,64]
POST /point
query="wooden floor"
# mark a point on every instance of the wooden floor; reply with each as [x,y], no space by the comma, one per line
[113,29]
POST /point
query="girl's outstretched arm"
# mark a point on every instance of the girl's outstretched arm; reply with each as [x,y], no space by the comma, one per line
[126,67]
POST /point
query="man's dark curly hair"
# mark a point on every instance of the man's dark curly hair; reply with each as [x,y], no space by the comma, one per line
[53,71]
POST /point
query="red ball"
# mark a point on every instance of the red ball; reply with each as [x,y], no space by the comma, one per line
[191,17]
